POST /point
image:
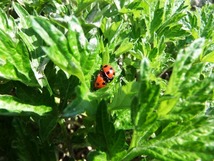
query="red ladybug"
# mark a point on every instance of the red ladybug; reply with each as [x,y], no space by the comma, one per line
[100,81]
[109,72]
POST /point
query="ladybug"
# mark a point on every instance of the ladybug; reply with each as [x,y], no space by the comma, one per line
[109,72]
[100,81]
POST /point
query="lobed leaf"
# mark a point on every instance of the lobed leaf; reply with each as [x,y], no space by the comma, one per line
[180,142]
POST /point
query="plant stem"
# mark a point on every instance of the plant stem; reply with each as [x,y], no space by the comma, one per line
[134,140]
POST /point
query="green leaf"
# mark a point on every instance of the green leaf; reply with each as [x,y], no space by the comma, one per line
[14,61]
[96,156]
[170,26]
[124,47]
[122,119]
[76,107]
[105,137]
[68,64]
[7,23]
[182,67]
[123,98]
[3,20]
[80,104]
[24,142]
[83,5]
[9,105]
[97,13]
[185,125]
[81,49]
[158,107]
[208,58]
[144,113]
[27,143]
[144,106]
[32,95]
[33,43]
[46,125]
[175,32]
[157,19]
[20,11]
[189,140]
[111,30]
[57,48]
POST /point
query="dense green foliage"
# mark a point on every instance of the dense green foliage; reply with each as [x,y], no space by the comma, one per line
[158,107]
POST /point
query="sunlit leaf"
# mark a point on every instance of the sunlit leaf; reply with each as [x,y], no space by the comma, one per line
[38,61]
[208,58]
[58,50]
[12,106]
[14,61]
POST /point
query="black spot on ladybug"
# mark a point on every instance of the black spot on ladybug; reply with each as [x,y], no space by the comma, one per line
[107,73]
[105,66]
[104,83]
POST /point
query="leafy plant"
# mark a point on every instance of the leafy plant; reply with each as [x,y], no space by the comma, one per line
[158,107]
